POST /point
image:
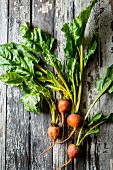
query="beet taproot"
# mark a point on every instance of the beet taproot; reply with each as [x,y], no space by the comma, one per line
[63,106]
[74,120]
[53,132]
[73,151]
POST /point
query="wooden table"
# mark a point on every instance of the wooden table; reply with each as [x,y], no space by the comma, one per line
[22,134]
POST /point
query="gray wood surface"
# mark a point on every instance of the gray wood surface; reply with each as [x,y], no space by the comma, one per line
[17,130]
[22,134]
[3,39]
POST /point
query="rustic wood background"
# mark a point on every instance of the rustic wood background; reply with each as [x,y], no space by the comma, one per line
[22,134]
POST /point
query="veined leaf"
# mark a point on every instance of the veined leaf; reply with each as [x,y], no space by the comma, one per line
[31,102]
[36,36]
[92,132]
[99,117]
[14,58]
[96,118]
[32,97]
[106,82]
[91,50]
[74,31]
[12,78]
[96,121]
[41,42]
[53,78]
[73,71]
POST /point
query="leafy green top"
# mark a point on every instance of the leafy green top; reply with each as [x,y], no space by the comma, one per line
[22,63]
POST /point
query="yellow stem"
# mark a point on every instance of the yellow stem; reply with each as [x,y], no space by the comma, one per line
[62,79]
[81,71]
[89,132]
[40,68]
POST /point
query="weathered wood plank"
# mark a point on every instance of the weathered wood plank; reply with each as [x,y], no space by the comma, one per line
[98,154]
[42,17]
[3,39]
[90,158]
[17,143]
[63,13]
[87,159]
[105,138]
[27,134]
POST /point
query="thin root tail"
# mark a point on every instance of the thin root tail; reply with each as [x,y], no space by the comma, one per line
[61,142]
[64,164]
[47,150]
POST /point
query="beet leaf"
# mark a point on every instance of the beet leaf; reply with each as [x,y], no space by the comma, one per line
[90,51]
[40,42]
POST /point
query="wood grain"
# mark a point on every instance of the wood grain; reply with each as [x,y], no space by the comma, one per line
[17,135]
[105,137]
[3,39]
[23,135]
[42,17]
[63,13]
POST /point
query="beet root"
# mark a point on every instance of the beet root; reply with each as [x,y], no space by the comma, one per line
[73,151]
[74,120]
[63,106]
[54,132]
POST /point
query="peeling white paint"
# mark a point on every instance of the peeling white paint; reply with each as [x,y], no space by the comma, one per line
[45,8]
[21,7]
[36,5]
[111,164]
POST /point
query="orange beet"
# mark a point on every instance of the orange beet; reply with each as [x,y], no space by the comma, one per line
[63,105]
[73,151]
[74,120]
[53,132]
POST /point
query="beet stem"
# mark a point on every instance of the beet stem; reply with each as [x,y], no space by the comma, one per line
[81,71]
[61,77]
[61,142]
[47,150]
[64,164]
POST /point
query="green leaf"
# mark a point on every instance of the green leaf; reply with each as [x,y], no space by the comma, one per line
[99,117]
[111,89]
[105,83]
[40,42]
[74,32]
[92,132]
[109,118]
[36,36]
[95,119]
[12,78]
[53,78]
[14,58]
[40,76]
[31,102]
[73,70]
[91,50]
